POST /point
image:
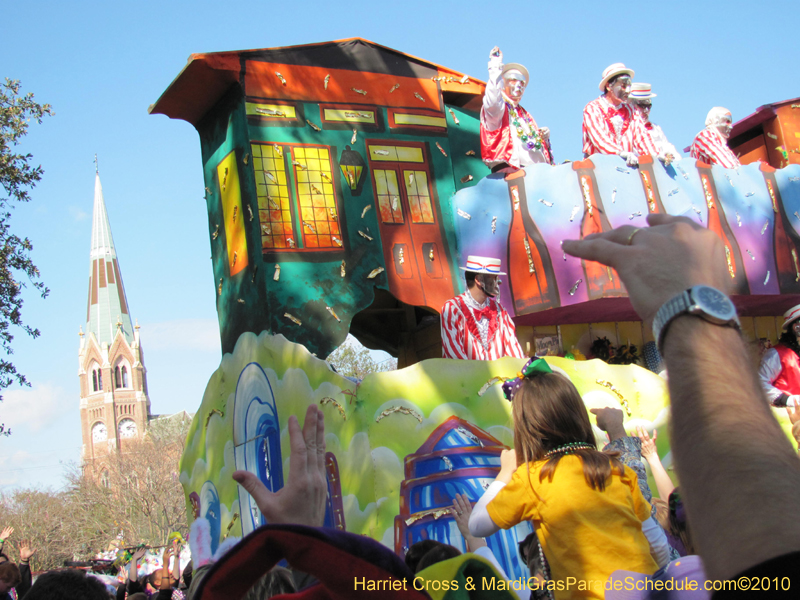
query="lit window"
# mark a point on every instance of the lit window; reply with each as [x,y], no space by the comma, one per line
[297,203]
[124,376]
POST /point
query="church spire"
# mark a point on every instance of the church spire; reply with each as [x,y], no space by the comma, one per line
[107,305]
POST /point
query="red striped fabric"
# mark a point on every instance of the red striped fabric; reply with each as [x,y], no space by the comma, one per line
[599,137]
[710,148]
[458,341]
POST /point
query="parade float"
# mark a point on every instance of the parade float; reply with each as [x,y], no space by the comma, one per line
[344,187]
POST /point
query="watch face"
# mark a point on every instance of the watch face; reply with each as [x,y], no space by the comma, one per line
[127,428]
[714,302]
[99,432]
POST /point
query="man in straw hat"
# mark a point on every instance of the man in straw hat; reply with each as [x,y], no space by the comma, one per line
[510,137]
[780,366]
[711,145]
[642,98]
[474,325]
[610,125]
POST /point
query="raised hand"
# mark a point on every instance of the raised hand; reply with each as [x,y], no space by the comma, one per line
[25,551]
[139,553]
[302,499]
[648,444]
[508,464]
[659,261]
[461,511]
[6,533]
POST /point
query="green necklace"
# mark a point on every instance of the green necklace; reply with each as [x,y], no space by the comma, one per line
[532,141]
[568,448]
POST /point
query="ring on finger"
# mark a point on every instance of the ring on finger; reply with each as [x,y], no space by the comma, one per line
[630,237]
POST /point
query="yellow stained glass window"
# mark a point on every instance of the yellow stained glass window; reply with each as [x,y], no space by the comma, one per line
[419,199]
[319,214]
[388,193]
[274,202]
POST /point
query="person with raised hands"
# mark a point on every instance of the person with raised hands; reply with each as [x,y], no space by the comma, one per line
[737,469]
[302,500]
[663,481]
[586,506]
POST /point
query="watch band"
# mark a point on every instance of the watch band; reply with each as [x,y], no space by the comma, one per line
[669,310]
[702,301]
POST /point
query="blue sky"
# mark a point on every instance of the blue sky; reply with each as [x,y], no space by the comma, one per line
[100,64]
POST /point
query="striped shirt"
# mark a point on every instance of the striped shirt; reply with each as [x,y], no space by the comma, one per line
[461,331]
[711,148]
[613,130]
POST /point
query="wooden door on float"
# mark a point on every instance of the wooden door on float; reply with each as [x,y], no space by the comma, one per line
[416,258]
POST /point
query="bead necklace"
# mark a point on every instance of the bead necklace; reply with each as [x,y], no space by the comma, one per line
[532,141]
[568,449]
[545,568]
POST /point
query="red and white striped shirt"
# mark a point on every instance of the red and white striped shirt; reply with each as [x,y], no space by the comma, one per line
[461,336]
[613,130]
[711,148]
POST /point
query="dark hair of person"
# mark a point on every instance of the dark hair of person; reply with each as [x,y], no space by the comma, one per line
[789,339]
[154,578]
[469,277]
[549,413]
[188,571]
[417,551]
[275,582]
[9,573]
[68,584]
[529,553]
[677,522]
[437,555]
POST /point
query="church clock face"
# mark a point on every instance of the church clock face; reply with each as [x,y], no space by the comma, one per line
[99,432]
[127,428]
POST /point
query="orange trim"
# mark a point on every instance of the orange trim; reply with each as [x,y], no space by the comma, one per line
[645,159]
[765,168]
[582,164]
[307,84]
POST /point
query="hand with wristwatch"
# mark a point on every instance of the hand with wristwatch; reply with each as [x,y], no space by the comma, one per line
[660,292]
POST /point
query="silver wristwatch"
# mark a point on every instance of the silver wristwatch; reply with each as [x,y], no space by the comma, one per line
[702,301]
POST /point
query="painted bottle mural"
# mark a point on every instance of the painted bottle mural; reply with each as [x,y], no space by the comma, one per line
[602,281]
[531,281]
[785,238]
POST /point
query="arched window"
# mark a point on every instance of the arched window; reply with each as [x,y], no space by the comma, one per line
[117,379]
[124,376]
[94,381]
[99,380]
[104,479]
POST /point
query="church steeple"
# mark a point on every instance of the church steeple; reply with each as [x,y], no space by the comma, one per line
[114,405]
[107,310]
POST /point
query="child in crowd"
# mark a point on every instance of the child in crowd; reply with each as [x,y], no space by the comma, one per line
[586,506]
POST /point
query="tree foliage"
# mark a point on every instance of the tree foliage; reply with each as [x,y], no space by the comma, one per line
[351,359]
[17,176]
[139,498]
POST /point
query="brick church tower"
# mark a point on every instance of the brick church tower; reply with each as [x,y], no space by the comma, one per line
[114,404]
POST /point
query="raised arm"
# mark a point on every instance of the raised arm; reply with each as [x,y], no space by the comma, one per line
[480,523]
[493,105]
[302,500]
[738,471]
[664,484]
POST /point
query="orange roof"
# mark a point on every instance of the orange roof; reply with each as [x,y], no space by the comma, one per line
[206,78]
